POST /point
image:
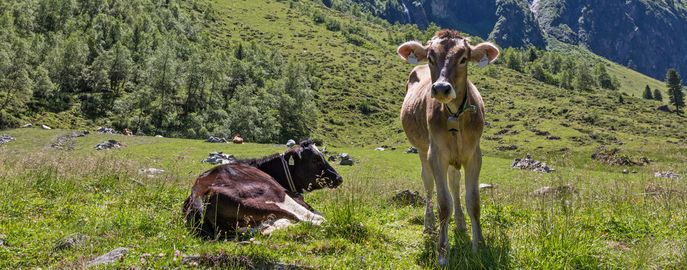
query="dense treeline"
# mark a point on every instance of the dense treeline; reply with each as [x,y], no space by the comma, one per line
[149,66]
[560,70]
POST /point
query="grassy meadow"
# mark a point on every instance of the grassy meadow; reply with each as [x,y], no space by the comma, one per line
[613,220]
[610,222]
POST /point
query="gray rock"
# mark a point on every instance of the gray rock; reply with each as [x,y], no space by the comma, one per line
[486,186]
[3,240]
[151,172]
[110,257]
[109,144]
[45,127]
[667,174]
[663,108]
[346,159]
[219,158]
[411,150]
[27,125]
[346,162]
[5,139]
[70,241]
[332,158]
[106,130]
[213,139]
[380,149]
[159,136]
[528,163]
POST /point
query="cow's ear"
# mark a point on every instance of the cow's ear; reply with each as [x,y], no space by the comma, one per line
[484,53]
[412,52]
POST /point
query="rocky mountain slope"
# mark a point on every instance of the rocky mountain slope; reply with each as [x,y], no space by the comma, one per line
[647,36]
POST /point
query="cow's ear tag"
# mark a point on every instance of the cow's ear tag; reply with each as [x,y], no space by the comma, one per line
[412,59]
[291,163]
[484,61]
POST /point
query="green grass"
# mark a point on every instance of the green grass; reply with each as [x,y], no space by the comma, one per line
[49,194]
[610,223]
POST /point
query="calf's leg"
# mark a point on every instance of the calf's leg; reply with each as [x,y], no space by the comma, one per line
[428,180]
[472,170]
[439,167]
[454,185]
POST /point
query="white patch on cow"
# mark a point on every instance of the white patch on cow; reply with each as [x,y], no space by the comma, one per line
[300,212]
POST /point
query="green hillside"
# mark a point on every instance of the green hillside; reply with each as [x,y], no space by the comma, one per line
[238,58]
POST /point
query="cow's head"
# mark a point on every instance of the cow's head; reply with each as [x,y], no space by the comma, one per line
[448,54]
[309,168]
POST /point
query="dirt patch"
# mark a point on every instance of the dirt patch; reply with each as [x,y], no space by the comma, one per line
[503,148]
[67,141]
[613,157]
[408,197]
[236,262]
[653,189]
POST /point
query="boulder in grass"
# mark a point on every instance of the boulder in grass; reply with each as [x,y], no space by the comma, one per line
[110,257]
[346,159]
[27,125]
[219,158]
[213,139]
[109,144]
[106,130]
[528,163]
[5,139]
[151,172]
[486,186]
[667,174]
[411,150]
[46,127]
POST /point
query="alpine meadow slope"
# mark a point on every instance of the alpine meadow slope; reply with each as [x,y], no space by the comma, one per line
[603,217]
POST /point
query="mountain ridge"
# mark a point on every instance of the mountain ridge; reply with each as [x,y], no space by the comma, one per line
[629,33]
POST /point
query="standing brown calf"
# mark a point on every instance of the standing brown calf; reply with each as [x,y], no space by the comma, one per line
[443,117]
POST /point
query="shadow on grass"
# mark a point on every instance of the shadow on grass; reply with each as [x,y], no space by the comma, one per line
[494,254]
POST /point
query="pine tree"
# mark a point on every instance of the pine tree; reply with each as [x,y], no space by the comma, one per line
[657,95]
[675,93]
[584,80]
[647,93]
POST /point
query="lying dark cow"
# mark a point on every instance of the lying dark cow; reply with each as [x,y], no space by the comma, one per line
[250,192]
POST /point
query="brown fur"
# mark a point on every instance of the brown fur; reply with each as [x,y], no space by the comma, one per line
[233,196]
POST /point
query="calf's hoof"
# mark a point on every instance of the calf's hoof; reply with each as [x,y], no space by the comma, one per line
[443,261]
